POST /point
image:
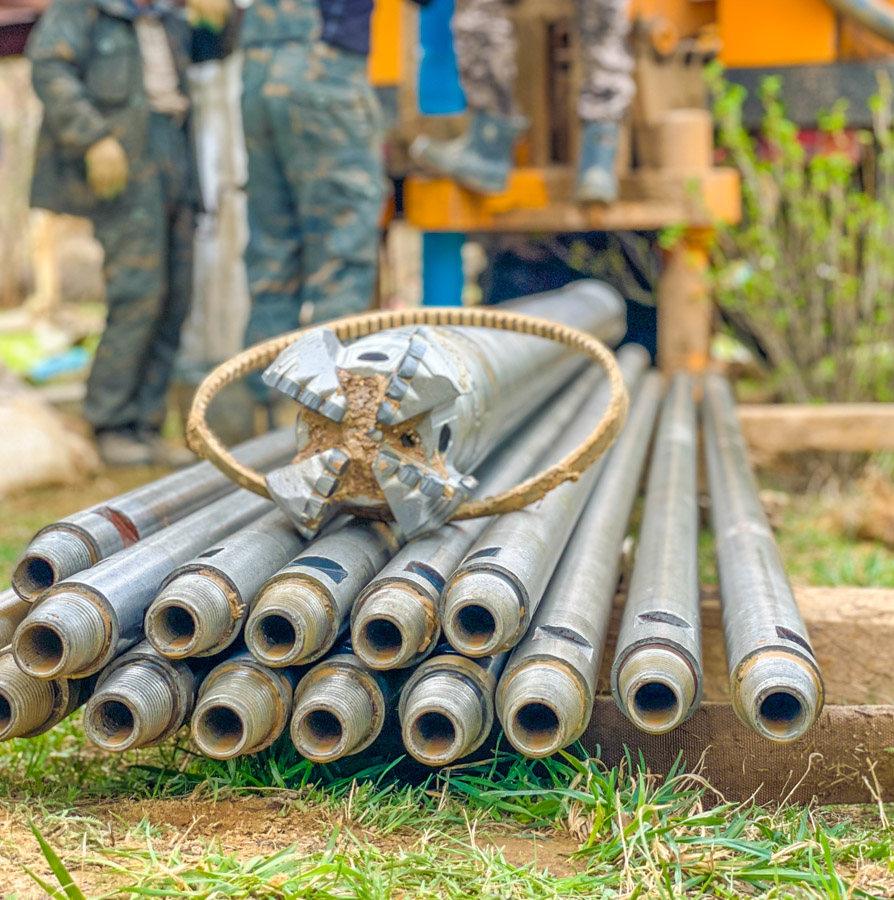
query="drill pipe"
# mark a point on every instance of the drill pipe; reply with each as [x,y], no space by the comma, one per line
[545,696]
[83,623]
[657,671]
[140,700]
[395,622]
[243,707]
[80,541]
[447,707]
[301,611]
[30,706]
[488,602]
[12,610]
[203,604]
[340,707]
[396,421]
[775,682]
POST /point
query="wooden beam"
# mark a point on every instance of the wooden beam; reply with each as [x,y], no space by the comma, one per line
[787,427]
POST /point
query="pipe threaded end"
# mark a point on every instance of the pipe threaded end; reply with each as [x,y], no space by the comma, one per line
[26,703]
[237,715]
[189,616]
[442,719]
[332,718]
[132,708]
[50,558]
[391,628]
[657,688]
[289,624]
[482,614]
[542,709]
[62,636]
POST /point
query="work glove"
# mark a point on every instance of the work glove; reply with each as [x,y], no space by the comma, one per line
[210,14]
[107,168]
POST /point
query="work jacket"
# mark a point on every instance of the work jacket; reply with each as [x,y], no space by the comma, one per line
[88,72]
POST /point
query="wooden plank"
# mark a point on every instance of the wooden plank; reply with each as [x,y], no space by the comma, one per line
[787,427]
[540,200]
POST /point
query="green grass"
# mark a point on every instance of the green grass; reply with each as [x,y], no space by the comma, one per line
[632,835]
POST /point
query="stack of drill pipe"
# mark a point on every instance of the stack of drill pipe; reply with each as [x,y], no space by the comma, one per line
[82,623]
[657,670]
[775,682]
[395,621]
[395,422]
[80,541]
[545,695]
[488,603]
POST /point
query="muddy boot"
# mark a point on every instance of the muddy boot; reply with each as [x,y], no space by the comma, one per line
[480,159]
[596,179]
[122,447]
[165,453]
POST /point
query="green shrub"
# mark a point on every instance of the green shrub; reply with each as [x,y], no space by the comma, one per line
[809,274]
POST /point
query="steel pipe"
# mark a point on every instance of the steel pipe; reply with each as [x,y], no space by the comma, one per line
[82,540]
[140,700]
[397,421]
[340,707]
[395,622]
[81,624]
[30,706]
[657,670]
[243,707]
[488,602]
[203,604]
[775,682]
[301,611]
[447,707]
[546,693]
[12,611]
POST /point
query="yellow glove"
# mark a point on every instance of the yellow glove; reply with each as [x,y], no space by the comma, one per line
[107,168]
[211,14]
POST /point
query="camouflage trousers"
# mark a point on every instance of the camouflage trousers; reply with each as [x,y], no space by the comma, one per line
[486,51]
[313,131]
[147,235]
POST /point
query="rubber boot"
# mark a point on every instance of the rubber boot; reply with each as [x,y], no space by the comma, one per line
[480,159]
[596,179]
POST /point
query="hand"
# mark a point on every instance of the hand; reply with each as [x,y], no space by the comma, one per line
[210,14]
[107,168]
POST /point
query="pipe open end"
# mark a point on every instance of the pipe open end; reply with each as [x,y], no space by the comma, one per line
[174,628]
[782,714]
[40,650]
[220,732]
[273,638]
[434,736]
[33,576]
[474,627]
[536,729]
[656,706]
[112,724]
[321,732]
[383,640]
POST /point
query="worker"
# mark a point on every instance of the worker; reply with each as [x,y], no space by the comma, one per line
[314,135]
[114,146]
[485,45]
